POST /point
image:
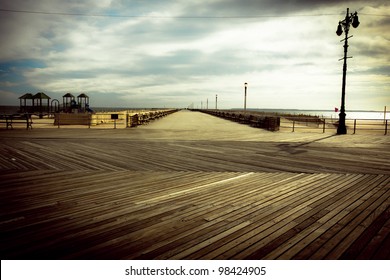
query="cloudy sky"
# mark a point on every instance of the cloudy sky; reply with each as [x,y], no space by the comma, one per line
[157,53]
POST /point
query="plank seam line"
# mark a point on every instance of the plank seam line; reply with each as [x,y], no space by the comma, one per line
[194,188]
[196,148]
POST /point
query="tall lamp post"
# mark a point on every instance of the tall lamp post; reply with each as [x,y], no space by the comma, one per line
[245,86]
[345,25]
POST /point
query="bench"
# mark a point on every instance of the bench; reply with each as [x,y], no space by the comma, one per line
[9,120]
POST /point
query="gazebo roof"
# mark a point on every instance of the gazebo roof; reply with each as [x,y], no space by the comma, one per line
[83,95]
[26,96]
[69,95]
[41,95]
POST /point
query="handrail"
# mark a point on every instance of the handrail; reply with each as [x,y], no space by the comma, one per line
[302,122]
[326,124]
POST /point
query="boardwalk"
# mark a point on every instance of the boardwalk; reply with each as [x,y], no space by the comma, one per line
[192,186]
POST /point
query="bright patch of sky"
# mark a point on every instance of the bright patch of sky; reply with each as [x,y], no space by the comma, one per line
[178,53]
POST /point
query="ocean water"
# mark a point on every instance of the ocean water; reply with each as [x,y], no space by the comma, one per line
[361,115]
[8,110]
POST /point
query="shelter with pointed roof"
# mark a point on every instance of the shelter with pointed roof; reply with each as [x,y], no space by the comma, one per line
[83,102]
[41,103]
[68,102]
[26,103]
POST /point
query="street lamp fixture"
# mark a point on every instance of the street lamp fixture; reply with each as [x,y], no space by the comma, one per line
[245,86]
[345,25]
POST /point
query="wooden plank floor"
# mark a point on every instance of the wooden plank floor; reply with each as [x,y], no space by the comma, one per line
[161,192]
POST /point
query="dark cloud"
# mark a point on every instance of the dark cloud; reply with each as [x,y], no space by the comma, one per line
[375,22]
[266,7]
[373,50]
[383,70]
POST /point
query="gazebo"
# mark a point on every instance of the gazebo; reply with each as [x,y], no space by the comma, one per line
[83,102]
[67,102]
[39,106]
[26,103]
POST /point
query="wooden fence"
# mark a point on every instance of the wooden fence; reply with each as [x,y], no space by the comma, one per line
[354,126]
[301,123]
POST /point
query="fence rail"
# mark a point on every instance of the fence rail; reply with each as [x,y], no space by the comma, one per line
[293,123]
[124,119]
[354,126]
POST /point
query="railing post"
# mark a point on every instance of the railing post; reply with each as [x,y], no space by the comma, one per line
[323,126]
[293,128]
[354,126]
[386,127]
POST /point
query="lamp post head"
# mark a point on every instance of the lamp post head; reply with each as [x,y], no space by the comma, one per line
[355,22]
[339,30]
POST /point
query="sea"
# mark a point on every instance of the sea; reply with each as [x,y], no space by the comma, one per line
[353,114]
[331,114]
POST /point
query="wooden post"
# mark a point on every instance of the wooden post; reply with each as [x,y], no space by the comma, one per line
[293,126]
[384,115]
[354,126]
[323,126]
[386,127]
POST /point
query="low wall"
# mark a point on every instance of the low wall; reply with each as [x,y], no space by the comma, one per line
[130,119]
[106,117]
[271,123]
[72,119]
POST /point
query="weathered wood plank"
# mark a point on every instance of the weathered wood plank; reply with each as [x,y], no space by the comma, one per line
[362,245]
[294,201]
[330,239]
[237,213]
[165,193]
[336,212]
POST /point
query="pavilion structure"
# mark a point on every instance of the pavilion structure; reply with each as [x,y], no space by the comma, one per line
[35,104]
[68,101]
[41,103]
[83,102]
[26,103]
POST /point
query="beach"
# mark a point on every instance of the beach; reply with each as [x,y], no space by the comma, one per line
[193,186]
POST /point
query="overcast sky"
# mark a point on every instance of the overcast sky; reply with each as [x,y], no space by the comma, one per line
[158,53]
